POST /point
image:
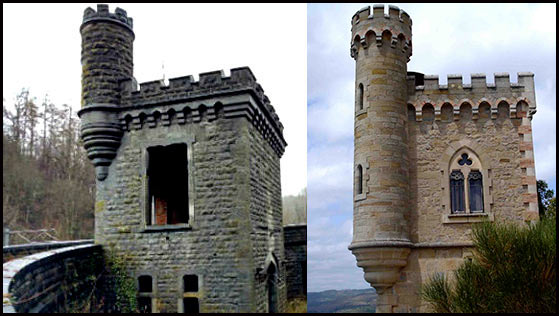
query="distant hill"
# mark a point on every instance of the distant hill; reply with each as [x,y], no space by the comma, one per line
[343,301]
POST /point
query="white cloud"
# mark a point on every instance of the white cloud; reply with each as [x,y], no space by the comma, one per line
[447,39]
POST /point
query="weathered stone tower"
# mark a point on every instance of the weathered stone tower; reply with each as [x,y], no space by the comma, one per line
[188,178]
[430,160]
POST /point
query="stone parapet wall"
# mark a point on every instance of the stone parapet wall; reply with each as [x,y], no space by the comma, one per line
[14,251]
[483,99]
[295,240]
[46,282]
[214,95]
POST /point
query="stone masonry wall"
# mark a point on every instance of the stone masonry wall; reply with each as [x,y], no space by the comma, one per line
[296,260]
[496,140]
[217,248]
[266,218]
[50,281]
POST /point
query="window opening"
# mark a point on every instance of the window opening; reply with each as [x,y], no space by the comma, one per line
[145,289]
[361,96]
[191,305]
[190,283]
[167,185]
[476,191]
[190,302]
[457,192]
[359,179]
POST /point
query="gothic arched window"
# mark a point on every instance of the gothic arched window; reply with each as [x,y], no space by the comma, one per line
[466,196]
[476,191]
[457,201]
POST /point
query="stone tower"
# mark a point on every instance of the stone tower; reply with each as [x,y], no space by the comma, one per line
[381,47]
[430,160]
[188,178]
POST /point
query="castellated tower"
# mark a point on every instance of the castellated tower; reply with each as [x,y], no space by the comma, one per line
[381,47]
[430,160]
[188,178]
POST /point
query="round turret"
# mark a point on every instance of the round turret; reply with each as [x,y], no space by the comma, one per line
[106,54]
[381,47]
[106,63]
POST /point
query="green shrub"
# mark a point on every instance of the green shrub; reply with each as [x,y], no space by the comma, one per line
[513,270]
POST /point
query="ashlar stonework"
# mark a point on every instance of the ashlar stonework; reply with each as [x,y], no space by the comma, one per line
[430,160]
[188,178]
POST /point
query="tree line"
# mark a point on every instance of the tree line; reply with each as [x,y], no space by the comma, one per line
[48,181]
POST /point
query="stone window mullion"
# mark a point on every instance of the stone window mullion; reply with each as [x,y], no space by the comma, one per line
[466,172]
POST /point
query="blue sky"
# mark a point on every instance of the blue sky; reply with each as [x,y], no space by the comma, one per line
[447,39]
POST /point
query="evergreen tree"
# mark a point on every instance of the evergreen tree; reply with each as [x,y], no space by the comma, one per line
[512,271]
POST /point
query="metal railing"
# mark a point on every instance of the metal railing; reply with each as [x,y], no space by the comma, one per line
[28,236]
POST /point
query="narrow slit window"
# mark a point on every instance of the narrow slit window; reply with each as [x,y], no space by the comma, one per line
[360,96]
[476,191]
[167,185]
[359,179]
[457,202]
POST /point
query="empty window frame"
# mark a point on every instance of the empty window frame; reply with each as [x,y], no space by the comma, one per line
[190,305]
[190,283]
[145,294]
[167,175]
[191,294]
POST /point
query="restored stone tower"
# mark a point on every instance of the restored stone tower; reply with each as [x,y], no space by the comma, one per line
[188,178]
[381,240]
[430,160]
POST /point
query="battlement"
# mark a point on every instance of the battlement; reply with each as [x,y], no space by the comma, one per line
[479,94]
[156,101]
[394,27]
[103,14]
[455,82]
[394,13]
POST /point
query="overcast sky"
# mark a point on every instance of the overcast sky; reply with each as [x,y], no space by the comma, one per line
[447,39]
[42,47]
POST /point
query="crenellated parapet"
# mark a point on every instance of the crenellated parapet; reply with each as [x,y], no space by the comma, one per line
[185,101]
[392,29]
[102,14]
[484,99]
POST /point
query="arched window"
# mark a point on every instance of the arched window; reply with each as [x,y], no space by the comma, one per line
[457,201]
[476,191]
[359,188]
[360,96]
[466,196]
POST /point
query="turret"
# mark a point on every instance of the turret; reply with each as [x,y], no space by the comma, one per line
[106,63]
[381,46]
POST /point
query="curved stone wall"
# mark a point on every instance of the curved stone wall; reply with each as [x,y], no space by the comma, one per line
[44,282]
